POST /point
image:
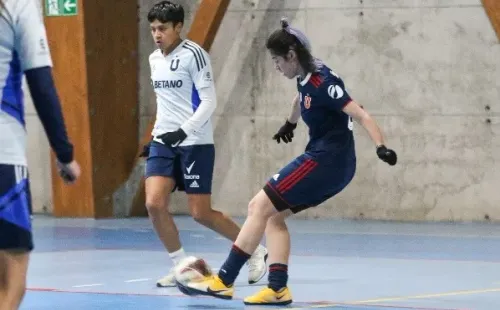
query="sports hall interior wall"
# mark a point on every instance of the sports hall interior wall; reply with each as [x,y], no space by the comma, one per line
[428,71]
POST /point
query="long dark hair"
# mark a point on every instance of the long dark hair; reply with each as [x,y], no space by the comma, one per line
[281,41]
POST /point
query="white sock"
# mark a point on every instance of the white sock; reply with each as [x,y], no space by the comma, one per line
[177,256]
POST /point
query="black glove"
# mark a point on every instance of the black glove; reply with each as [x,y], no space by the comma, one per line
[387,155]
[173,138]
[145,150]
[285,133]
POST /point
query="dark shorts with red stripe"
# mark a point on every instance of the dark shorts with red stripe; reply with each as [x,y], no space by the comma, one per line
[307,182]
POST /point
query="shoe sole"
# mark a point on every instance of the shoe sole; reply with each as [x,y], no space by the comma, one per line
[192,292]
[159,285]
[283,303]
[262,276]
[163,286]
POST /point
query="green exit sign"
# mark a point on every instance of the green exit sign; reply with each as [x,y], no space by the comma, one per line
[61,7]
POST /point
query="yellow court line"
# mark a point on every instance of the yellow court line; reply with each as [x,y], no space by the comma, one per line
[422,296]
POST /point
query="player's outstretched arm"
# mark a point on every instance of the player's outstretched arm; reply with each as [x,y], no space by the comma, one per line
[364,119]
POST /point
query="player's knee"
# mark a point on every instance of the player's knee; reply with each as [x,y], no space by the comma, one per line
[155,204]
[259,208]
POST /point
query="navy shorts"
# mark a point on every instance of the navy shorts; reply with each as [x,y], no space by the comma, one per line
[307,182]
[190,166]
[15,208]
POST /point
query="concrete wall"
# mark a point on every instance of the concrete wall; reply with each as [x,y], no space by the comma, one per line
[428,71]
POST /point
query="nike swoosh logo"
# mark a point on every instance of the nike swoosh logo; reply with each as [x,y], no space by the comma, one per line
[209,290]
[190,167]
[176,144]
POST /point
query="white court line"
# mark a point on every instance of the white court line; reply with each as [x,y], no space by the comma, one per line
[197,236]
[137,280]
[88,285]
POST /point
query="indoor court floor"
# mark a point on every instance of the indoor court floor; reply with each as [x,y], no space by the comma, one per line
[355,265]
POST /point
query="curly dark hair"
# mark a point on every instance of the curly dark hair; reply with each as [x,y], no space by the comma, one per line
[167,11]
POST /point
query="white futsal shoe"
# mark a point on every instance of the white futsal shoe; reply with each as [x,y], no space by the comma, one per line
[168,280]
[257,267]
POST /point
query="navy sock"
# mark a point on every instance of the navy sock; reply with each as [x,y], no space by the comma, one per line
[278,276]
[232,266]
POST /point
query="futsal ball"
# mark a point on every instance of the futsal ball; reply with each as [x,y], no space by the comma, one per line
[191,269]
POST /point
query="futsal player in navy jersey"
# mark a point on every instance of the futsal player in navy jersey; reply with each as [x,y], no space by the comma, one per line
[325,168]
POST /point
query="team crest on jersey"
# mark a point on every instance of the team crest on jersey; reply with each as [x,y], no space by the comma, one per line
[174,65]
[307,101]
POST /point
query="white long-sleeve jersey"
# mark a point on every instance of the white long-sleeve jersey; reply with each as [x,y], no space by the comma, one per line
[23,46]
[185,92]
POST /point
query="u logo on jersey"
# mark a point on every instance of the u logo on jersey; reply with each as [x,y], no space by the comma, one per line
[174,65]
[307,101]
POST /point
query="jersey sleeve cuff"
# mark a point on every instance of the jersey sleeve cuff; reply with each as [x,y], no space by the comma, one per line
[188,129]
[65,157]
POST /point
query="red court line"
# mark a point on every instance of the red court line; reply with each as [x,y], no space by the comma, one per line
[298,304]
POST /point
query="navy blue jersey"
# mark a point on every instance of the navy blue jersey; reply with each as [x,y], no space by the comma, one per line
[322,98]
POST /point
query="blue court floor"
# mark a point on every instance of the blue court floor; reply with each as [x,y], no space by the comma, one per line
[355,265]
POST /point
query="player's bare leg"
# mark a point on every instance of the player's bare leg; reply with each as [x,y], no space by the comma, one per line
[13,270]
[278,241]
[202,212]
[158,191]
[260,209]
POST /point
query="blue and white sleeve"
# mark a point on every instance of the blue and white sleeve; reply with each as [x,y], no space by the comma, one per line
[34,56]
[201,73]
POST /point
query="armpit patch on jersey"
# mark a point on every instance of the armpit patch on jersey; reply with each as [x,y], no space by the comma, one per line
[335,91]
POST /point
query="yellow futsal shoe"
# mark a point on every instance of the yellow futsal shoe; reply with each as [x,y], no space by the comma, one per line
[211,286]
[268,297]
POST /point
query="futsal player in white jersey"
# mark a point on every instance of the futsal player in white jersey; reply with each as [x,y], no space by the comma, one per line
[181,154]
[24,51]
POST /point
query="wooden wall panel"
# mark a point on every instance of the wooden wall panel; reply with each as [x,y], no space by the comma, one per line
[111,32]
[95,67]
[203,29]
[67,44]
[492,8]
